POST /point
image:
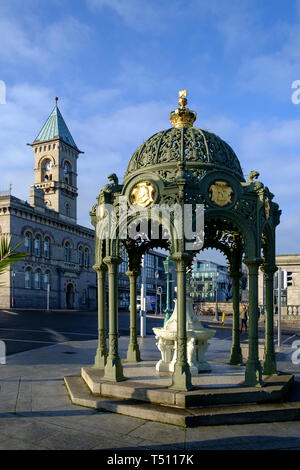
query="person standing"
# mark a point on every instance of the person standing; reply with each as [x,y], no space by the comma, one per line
[244,317]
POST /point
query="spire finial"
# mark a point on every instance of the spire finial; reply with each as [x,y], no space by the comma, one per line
[56,100]
[182,101]
[182,117]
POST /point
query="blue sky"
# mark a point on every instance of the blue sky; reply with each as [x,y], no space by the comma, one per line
[117,66]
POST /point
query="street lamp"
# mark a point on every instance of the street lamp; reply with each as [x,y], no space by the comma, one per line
[13,289]
[168,264]
[217,313]
[156,277]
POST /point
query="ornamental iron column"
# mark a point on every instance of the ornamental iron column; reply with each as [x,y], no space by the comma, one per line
[168,264]
[113,369]
[101,354]
[253,373]
[269,364]
[236,352]
[181,379]
[133,353]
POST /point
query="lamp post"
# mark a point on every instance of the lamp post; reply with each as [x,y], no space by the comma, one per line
[13,289]
[156,277]
[168,264]
[217,313]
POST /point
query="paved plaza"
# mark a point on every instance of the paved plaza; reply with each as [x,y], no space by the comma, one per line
[36,411]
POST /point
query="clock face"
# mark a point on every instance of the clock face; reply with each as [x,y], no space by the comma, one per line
[48,165]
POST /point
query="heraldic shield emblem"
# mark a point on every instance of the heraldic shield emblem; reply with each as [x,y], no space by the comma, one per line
[143,194]
[220,193]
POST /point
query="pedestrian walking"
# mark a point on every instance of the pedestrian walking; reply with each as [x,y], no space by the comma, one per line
[244,317]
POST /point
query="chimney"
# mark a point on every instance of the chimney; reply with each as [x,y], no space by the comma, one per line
[36,197]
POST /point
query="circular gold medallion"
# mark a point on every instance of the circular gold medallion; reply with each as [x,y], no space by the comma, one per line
[143,194]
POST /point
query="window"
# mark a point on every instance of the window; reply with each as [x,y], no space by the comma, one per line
[37,279]
[27,242]
[80,256]
[86,258]
[47,247]
[46,279]
[28,278]
[84,296]
[67,252]
[37,245]
[68,209]
[67,172]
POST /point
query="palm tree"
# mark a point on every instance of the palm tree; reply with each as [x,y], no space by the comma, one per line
[8,255]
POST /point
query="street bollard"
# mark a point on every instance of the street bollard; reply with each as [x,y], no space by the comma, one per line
[223,318]
[142,324]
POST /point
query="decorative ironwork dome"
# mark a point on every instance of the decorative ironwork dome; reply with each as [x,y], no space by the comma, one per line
[184,143]
[188,144]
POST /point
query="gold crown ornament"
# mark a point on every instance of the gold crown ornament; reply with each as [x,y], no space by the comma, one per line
[182,117]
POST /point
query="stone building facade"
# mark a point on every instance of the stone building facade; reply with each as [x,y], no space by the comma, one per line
[57,273]
[290,285]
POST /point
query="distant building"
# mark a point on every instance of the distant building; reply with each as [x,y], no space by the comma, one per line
[290,284]
[211,281]
[155,280]
[60,252]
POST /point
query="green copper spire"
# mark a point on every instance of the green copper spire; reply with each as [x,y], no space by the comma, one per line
[55,126]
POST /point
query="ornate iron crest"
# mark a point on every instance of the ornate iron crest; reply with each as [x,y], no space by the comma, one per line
[220,193]
[143,194]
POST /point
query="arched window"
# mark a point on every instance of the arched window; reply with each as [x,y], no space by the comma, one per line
[67,173]
[27,242]
[47,247]
[28,275]
[80,256]
[67,251]
[37,279]
[68,209]
[46,279]
[37,245]
[86,258]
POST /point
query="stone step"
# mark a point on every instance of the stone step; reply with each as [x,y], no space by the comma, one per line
[80,394]
[275,389]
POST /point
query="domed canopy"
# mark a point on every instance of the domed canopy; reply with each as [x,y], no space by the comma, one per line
[184,143]
[188,144]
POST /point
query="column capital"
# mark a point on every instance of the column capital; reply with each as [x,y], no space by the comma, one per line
[182,257]
[253,262]
[112,260]
[100,267]
[269,269]
[133,273]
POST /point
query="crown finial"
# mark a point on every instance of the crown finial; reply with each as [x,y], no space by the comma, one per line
[182,101]
[182,117]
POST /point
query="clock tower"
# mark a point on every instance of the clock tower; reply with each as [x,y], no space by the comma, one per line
[55,169]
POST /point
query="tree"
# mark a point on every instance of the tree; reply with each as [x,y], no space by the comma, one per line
[8,255]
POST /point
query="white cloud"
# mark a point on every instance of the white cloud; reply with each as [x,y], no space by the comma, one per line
[31,43]
[139,14]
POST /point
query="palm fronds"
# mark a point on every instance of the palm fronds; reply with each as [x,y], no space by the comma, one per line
[8,255]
